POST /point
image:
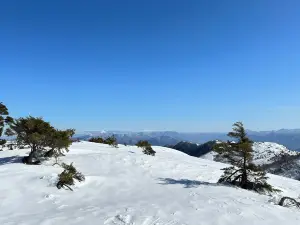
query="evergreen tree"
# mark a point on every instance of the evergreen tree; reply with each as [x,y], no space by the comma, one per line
[239,153]
[142,144]
[148,150]
[5,121]
[99,140]
[112,141]
[68,176]
[146,146]
[59,141]
[41,136]
[35,132]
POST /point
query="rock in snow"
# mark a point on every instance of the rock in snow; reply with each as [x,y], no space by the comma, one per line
[125,187]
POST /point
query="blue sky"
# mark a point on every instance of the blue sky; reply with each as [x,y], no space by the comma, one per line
[152,65]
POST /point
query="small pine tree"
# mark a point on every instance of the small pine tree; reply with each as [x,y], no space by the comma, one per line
[142,144]
[146,146]
[149,151]
[99,140]
[68,176]
[40,136]
[243,173]
[32,131]
[112,141]
[59,141]
[5,122]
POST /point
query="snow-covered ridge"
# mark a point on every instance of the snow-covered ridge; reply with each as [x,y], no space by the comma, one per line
[264,152]
[125,187]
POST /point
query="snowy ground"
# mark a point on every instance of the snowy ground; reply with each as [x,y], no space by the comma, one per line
[125,187]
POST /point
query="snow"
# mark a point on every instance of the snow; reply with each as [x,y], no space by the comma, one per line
[125,187]
[265,151]
[266,154]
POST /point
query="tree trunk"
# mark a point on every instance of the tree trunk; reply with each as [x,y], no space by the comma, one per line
[30,158]
[244,179]
[49,153]
[244,174]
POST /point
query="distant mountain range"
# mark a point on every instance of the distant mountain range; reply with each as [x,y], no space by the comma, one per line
[287,137]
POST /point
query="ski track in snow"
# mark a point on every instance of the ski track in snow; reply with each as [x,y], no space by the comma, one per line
[125,187]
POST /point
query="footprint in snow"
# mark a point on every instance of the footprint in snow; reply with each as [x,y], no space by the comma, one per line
[119,220]
[128,220]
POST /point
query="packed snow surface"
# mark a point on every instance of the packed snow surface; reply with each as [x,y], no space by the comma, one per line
[125,187]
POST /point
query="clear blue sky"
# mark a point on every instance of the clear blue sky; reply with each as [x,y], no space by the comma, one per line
[188,65]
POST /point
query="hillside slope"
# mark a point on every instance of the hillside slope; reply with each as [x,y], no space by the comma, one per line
[125,187]
[275,158]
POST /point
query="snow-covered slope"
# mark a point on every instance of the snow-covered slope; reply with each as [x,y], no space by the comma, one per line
[275,158]
[125,187]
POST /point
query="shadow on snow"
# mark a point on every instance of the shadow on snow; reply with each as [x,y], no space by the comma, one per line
[185,182]
[11,159]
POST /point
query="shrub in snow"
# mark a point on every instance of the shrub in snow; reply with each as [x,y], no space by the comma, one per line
[146,146]
[148,151]
[142,144]
[68,176]
[99,140]
[243,173]
[112,141]
[40,136]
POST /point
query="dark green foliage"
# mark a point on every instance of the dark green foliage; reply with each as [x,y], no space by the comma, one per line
[149,151]
[2,142]
[256,178]
[142,144]
[112,141]
[34,132]
[99,140]
[243,173]
[146,146]
[5,122]
[59,141]
[68,176]
[40,135]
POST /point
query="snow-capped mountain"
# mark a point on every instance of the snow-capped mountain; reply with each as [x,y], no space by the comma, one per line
[266,152]
[125,187]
